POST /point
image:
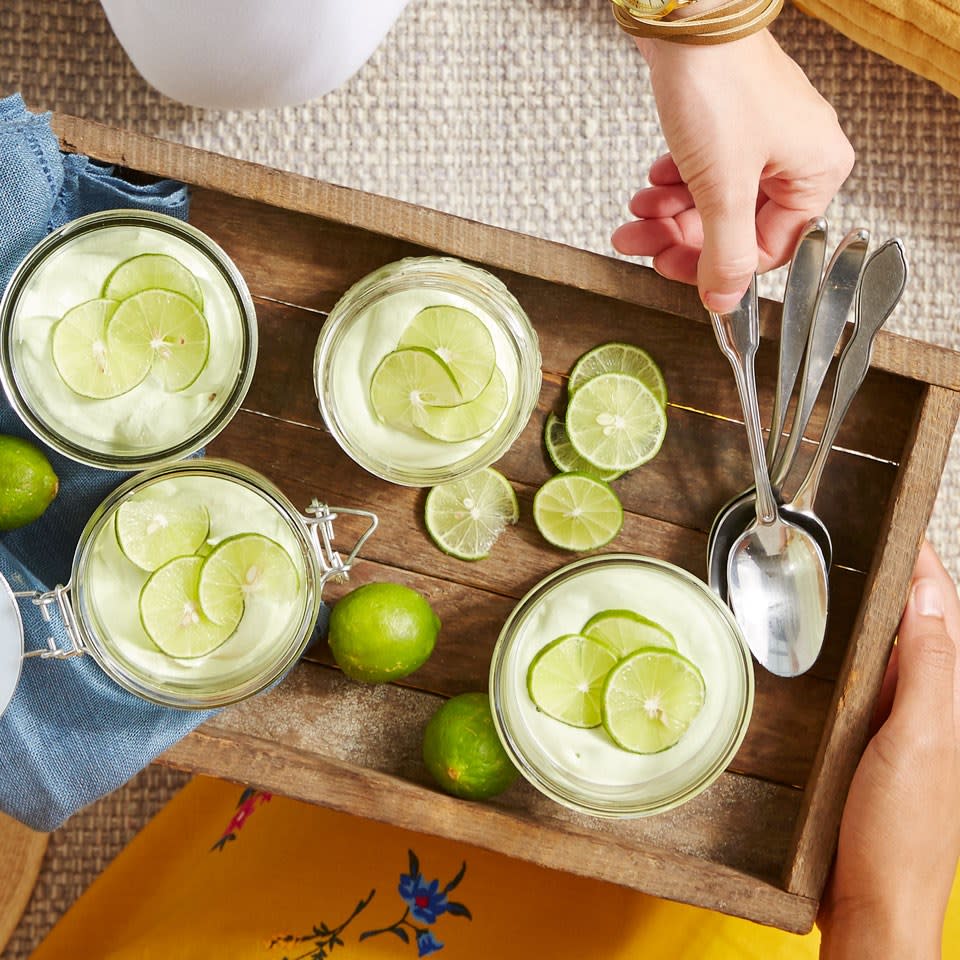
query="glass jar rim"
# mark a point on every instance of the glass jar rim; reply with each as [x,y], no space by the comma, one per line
[74,229]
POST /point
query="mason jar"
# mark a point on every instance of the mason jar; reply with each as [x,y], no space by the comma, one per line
[584,769]
[367,324]
[102,607]
[197,355]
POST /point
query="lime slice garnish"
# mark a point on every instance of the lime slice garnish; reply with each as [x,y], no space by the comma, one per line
[467,420]
[577,512]
[408,380]
[627,631]
[87,364]
[564,457]
[650,699]
[461,340]
[170,328]
[241,567]
[171,614]
[619,358]
[566,678]
[465,517]
[152,531]
[149,271]
[615,422]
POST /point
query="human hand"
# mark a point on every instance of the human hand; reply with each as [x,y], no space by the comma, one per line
[755,152]
[900,832]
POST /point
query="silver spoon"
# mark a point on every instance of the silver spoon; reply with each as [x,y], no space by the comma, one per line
[833,301]
[777,580]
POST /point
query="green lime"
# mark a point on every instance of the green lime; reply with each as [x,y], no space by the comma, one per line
[615,422]
[149,271]
[406,381]
[577,512]
[84,359]
[467,420]
[619,358]
[464,517]
[564,457]
[627,631]
[650,699]
[565,679]
[462,751]
[171,614]
[27,482]
[382,631]
[240,567]
[152,531]
[167,327]
[461,340]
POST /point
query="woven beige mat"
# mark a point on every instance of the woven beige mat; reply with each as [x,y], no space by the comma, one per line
[532,115]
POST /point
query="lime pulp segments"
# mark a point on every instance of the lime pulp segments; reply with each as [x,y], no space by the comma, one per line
[467,420]
[566,678]
[406,381]
[86,362]
[461,340]
[619,358]
[615,422]
[577,512]
[465,517]
[650,699]
[564,457]
[148,271]
[171,615]
[627,631]
[152,531]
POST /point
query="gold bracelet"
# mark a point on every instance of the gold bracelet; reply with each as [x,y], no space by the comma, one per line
[730,21]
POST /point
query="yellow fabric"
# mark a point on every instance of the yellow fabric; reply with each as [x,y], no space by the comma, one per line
[922,36]
[173,895]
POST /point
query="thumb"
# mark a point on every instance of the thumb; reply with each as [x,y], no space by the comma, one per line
[729,256]
[927,660]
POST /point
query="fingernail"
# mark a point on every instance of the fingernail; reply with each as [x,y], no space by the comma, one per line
[927,599]
[722,302]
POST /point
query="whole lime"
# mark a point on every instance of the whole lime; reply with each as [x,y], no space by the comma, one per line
[462,750]
[27,482]
[381,632]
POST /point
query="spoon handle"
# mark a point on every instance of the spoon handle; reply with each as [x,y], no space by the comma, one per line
[738,334]
[799,304]
[882,284]
[834,300]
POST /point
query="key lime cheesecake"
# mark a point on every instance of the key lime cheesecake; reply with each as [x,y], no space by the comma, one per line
[427,370]
[127,339]
[621,686]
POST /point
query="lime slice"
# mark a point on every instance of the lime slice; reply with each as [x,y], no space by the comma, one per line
[87,364]
[615,422]
[243,566]
[465,517]
[171,614]
[149,271]
[577,512]
[650,699]
[619,358]
[564,457]
[468,420]
[565,679]
[152,531]
[170,328]
[627,631]
[461,340]
[408,380]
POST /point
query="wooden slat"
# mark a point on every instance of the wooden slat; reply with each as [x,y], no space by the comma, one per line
[888,581]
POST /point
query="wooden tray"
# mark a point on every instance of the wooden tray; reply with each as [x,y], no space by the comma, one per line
[759,842]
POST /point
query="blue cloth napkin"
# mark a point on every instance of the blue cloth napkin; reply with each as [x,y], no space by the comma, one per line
[70,735]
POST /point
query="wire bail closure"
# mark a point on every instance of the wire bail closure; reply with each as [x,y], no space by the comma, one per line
[320,523]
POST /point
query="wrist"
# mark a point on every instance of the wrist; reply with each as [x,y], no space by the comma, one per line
[859,932]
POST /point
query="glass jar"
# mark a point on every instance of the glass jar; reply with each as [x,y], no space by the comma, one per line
[155,421]
[366,324]
[100,606]
[582,768]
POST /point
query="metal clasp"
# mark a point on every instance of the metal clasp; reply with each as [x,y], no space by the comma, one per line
[46,603]
[320,524]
